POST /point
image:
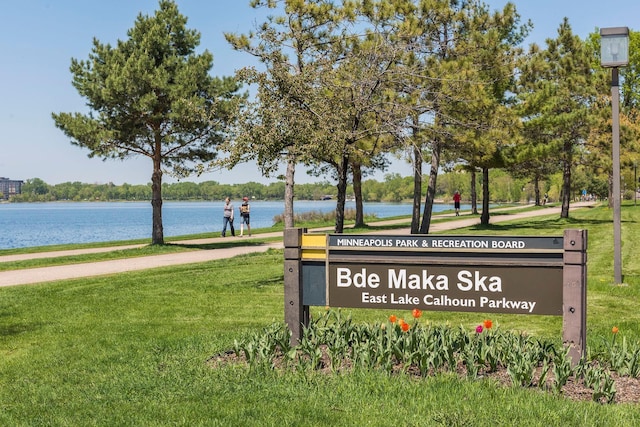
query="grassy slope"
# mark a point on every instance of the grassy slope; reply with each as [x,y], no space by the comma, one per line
[131,349]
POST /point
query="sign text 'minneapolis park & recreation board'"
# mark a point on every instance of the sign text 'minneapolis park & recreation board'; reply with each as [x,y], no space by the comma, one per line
[541,275]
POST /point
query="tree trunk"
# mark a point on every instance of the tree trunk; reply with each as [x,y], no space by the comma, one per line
[566,181]
[536,189]
[357,193]
[484,218]
[431,188]
[417,188]
[474,193]
[157,233]
[342,192]
[288,194]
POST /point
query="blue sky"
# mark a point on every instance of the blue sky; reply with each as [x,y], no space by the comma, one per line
[38,38]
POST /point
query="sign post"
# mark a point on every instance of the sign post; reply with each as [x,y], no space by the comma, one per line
[295,313]
[574,289]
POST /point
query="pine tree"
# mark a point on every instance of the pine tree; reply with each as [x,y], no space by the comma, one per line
[151,95]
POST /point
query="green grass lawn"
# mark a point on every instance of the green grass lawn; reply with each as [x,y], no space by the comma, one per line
[132,349]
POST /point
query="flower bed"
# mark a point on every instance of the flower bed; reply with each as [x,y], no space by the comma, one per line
[334,343]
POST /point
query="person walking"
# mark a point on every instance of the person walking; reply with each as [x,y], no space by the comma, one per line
[456,202]
[227,218]
[244,216]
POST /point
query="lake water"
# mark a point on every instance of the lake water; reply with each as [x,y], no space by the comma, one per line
[40,224]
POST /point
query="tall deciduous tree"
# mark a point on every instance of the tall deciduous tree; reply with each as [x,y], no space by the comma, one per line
[598,144]
[151,95]
[631,75]
[358,117]
[429,29]
[475,57]
[560,98]
[331,84]
[279,126]
[535,158]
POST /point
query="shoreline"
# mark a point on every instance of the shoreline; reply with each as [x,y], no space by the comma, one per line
[100,268]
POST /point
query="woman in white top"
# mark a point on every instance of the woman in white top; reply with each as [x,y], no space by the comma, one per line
[228,218]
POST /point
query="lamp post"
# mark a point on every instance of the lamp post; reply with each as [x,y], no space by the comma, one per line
[614,53]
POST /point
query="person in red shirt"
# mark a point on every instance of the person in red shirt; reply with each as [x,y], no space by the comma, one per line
[456,202]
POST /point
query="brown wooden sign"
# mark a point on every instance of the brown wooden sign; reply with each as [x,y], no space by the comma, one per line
[490,274]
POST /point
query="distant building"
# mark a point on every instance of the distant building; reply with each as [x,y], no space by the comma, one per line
[9,187]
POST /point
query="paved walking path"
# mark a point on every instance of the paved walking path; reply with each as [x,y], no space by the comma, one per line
[63,272]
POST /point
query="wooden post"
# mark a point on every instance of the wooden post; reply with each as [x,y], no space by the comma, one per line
[295,314]
[574,294]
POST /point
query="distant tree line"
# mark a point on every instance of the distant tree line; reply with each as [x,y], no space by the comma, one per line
[395,188]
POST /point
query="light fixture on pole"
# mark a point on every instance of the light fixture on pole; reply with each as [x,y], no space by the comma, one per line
[614,53]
